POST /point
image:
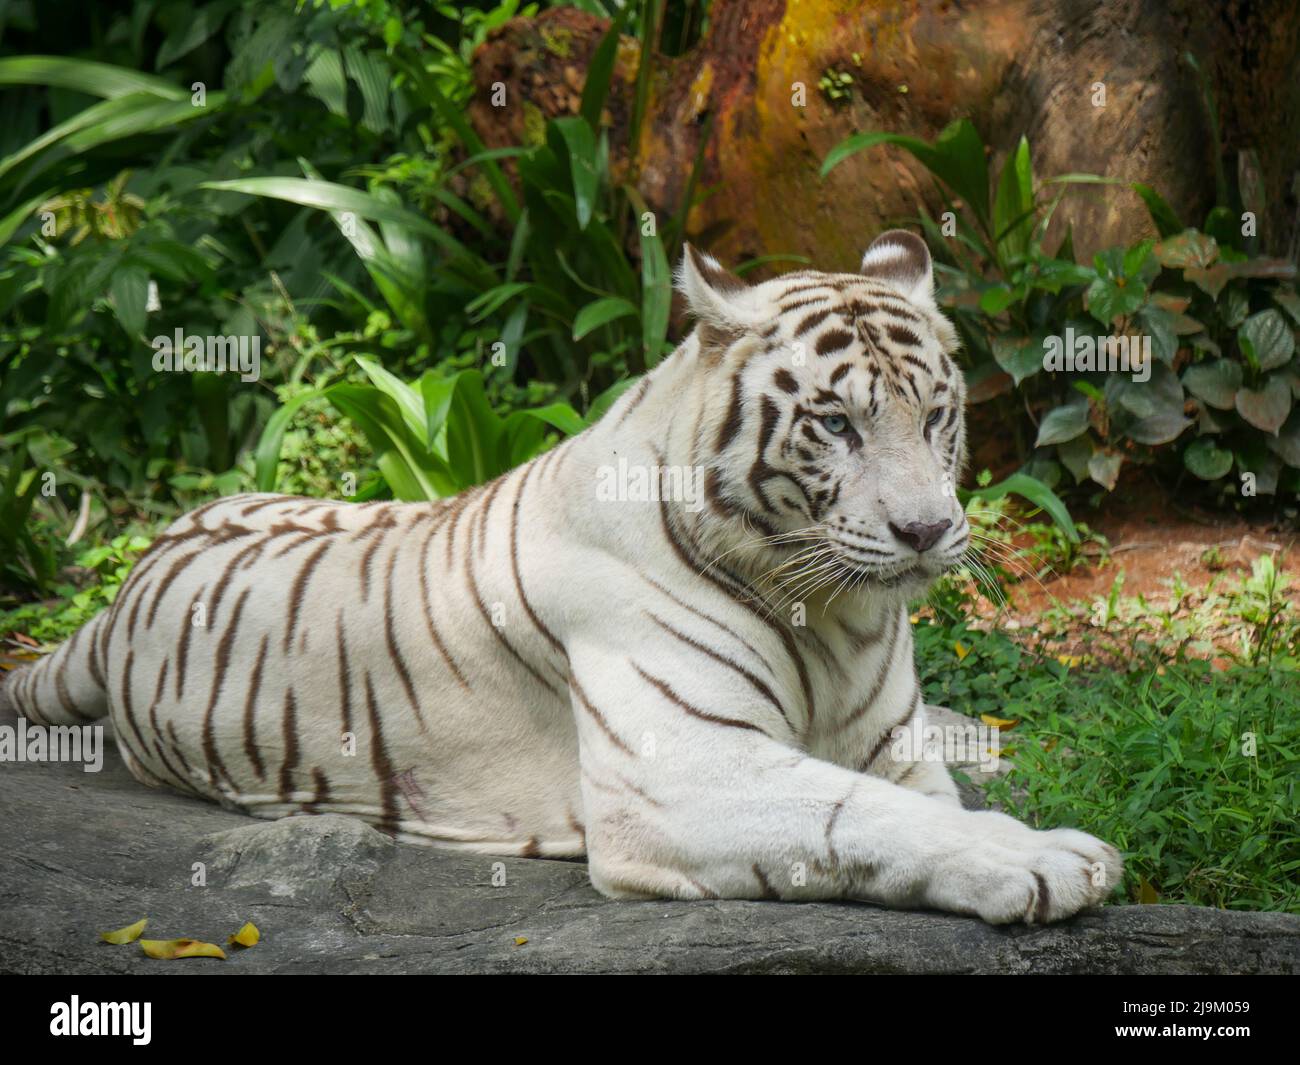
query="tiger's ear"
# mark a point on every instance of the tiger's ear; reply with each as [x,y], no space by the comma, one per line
[714,295]
[902,259]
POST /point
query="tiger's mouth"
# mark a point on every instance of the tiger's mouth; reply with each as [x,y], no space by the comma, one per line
[894,572]
[901,576]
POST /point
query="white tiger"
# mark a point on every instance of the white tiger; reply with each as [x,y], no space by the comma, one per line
[527,669]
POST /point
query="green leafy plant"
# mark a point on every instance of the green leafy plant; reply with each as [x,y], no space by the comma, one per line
[1220,326]
[1262,603]
[431,439]
[562,286]
[1190,772]
[106,568]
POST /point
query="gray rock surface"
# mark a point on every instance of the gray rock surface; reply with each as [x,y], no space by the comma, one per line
[83,852]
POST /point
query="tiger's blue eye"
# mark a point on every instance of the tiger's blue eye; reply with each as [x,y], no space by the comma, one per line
[835,423]
[934,417]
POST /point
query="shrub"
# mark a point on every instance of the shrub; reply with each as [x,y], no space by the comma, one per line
[1223,377]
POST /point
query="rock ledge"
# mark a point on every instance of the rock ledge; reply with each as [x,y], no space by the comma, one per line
[82,852]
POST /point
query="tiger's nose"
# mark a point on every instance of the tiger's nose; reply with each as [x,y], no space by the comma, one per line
[920,535]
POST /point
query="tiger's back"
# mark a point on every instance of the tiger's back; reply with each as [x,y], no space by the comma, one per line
[284,655]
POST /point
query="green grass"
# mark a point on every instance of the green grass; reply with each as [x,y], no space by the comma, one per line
[1193,773]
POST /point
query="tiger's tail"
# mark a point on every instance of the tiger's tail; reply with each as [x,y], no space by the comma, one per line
[66,687]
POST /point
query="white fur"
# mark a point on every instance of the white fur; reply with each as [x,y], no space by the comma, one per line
[625,706]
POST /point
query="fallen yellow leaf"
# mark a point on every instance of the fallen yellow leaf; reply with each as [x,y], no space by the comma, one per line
[961,649]
[520,940]
[129,934]
[1147,892]
[247,936]
[1069,660]
[167,949]
[999,723]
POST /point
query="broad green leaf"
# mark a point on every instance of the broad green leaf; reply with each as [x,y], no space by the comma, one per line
[411,469]
[130,291]
[580,142]
[104,122]
[1224,226]
[1166,421]
[599,313]
[1188,248]
[1036,492]
[1062,424]
[1290,302]
[1013,208]
[1052,275]
[1104,467]
[1139,262]
[267,456]
[330,196]
[1166,221]
[656,286]
[1206,459]
[559,416]
[9,223]
[1286,445]
[1160,325]
[998,298]
[1267,407]
[474,432]
[1209,279]
[172,260]
[1214,381]
[84,75]
[200,24]
[600,70]
[1267,339]
[1021,357]
[956,158]
[409,400]
[1109,300]
[1075,455]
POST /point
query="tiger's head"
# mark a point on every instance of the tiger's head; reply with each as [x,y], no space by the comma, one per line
[833,426]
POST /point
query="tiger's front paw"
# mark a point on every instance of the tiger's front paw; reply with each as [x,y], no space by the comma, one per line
[1009,872]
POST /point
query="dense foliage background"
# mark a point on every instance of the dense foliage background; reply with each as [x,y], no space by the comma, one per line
[430,312]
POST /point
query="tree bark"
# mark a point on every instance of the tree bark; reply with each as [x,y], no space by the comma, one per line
[1013,67]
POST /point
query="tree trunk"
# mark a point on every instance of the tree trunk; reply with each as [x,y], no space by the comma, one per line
[1032,67]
